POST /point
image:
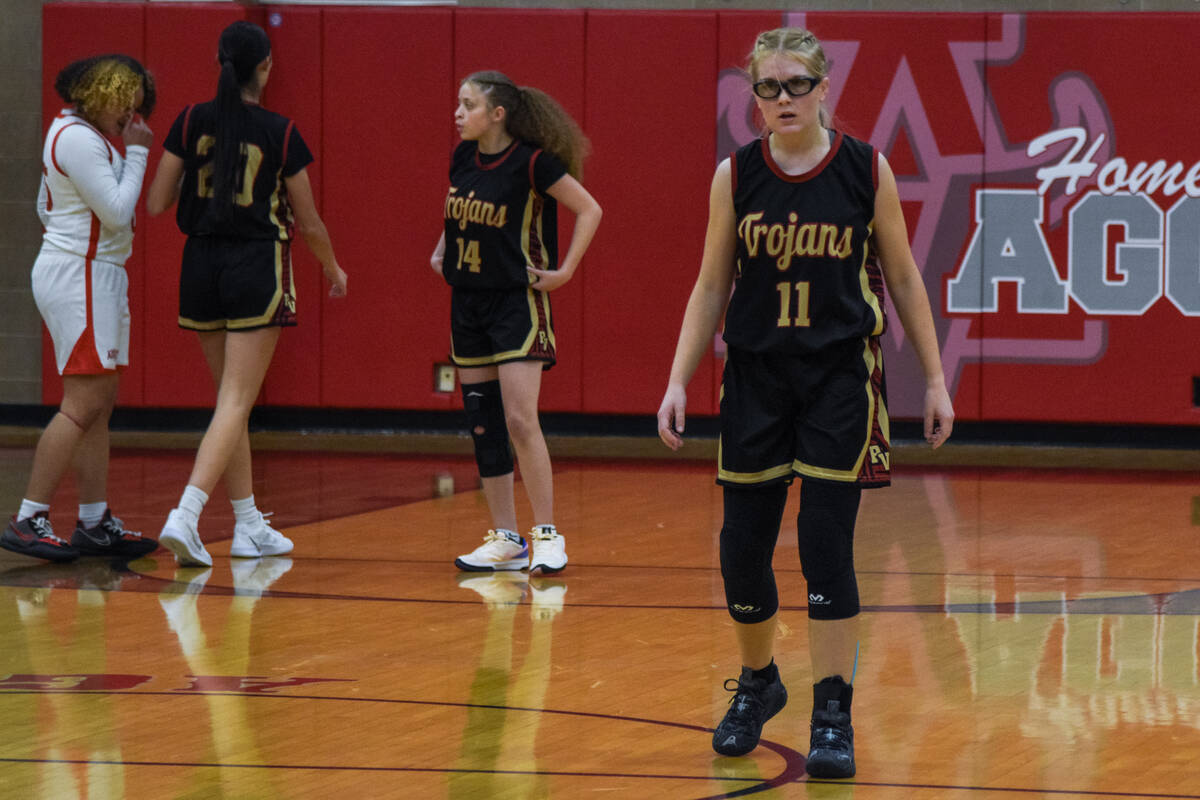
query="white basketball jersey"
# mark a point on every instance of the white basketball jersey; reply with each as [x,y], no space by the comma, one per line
[88,191]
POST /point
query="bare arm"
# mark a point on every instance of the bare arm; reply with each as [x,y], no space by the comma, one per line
[312,228]
[164,189]
[571,194]
[907,289]
[439,254]
[707,303]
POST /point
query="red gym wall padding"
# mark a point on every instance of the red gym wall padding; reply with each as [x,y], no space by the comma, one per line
[1055,229]
[501,39]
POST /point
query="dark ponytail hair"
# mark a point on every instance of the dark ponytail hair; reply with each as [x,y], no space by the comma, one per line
[535,117]
[241,48]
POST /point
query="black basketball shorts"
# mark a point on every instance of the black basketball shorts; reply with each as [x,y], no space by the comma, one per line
[494,326]
[236,284]
[821,416]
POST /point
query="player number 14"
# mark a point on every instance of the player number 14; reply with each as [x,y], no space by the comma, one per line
[468,252]
[787,318]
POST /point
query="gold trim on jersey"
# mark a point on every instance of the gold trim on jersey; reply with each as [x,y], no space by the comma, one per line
[771,473]
[272,307]
[534,298]
[192,325]
[279,201]
[531,219]
[864,281]
[875,403]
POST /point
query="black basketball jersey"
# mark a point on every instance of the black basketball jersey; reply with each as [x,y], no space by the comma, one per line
[806,274]
[499,219]
[273,150]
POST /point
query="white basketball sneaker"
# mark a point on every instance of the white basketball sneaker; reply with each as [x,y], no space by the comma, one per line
[181,536]
[501,550]
[256,539]
[498,589]
[547,597]
[549,551]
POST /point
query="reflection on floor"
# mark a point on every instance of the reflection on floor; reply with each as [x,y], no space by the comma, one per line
[1026,633]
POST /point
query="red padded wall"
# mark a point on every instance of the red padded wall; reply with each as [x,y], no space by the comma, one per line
[952,100]
[543,49]
[1101,367]
[897,86]
[294,90]
[69,33]
[181,49]
[387,126]
[650,111]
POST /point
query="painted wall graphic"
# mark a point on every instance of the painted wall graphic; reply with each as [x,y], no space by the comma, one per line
[1049,173]
[1055,227]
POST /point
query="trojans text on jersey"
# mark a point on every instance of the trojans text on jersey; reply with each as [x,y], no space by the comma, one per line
[465,210]
[783,242]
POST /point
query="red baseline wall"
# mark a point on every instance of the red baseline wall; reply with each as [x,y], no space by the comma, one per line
[1054,210]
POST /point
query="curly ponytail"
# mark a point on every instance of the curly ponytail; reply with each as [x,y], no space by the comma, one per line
[535,117]
[241,48]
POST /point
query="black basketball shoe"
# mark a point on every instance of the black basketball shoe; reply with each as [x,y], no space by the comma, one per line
[755,701]
[831,749]
[35,537]
[109,538]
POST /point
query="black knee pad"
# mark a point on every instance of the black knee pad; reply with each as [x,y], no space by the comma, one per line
[748,536]
[485,420]
[825,534]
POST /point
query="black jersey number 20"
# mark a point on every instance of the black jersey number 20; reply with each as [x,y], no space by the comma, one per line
[249,163]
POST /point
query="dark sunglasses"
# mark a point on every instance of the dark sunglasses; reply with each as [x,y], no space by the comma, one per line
[769,88]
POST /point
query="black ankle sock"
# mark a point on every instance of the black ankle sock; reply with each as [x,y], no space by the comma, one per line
[769,673]
[832,689]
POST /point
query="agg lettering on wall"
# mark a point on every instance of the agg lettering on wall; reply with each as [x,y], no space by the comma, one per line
[1156,256]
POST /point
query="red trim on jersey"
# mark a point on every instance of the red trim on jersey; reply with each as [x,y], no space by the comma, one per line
[532,159]
[287,137]
[54,148]
[875,168]
[187,115]
[49,197]
[537,250]
[733,175]
[498,161]
[54,144]
[806,176]
[84,359]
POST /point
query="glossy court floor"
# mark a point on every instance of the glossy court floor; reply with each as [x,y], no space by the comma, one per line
[1027,633]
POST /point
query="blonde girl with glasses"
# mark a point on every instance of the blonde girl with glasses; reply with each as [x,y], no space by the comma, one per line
[805,230]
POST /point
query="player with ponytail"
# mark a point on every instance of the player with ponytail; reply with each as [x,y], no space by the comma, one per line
[239,175]
[521,155]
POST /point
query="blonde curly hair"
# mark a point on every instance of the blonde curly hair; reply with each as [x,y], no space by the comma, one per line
[107,84]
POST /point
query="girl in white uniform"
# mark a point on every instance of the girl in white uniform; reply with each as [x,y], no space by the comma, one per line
[86,204]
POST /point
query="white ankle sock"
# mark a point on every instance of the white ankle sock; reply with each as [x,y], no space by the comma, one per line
[192,502]
[90,514]
[29,508]
[244,510]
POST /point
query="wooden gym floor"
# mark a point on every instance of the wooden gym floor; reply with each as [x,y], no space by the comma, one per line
[1027,633]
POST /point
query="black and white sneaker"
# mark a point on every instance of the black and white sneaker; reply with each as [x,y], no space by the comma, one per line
[109,538]
[755,701]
